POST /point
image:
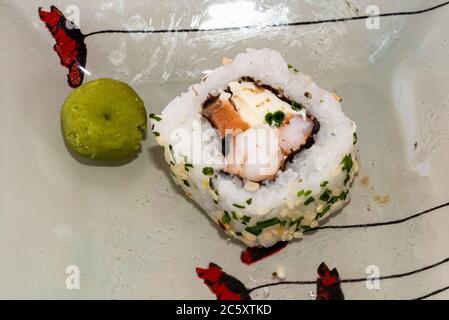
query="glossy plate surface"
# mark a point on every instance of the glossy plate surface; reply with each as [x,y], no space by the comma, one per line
[130,230]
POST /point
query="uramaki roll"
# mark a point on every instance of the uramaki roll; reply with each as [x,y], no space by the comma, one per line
[260,147]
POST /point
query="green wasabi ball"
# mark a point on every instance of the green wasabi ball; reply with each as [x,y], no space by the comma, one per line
[104,119]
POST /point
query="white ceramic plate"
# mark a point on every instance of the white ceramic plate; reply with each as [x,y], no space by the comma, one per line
[130,230]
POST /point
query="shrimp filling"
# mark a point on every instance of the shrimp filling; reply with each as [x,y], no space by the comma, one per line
[261,128]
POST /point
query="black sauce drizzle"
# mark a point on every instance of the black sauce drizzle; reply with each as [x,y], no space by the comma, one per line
[73,52]
[276,25]
[358,280]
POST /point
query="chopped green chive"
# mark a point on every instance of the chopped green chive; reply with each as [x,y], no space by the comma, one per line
[186,183]
[347,166]
[324,183]
[246,219]
[156,134]
[226,218]
[326,195]
[234,215]
[347,162]
[155,117]
[208,171]
[354,140]
[292,68]
[333,199]
[304,193]
[278,118]
[170,147]
[238,206]
[257,229]
[306,228]
[309,201]
[249,201]
[343,195]
[187,167]
[212,186]
[296,106]
[269,118]
[325,210]
[296,221]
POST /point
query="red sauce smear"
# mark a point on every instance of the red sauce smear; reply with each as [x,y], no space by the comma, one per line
[69,46]
[223,285]
[328,284]
[254,254]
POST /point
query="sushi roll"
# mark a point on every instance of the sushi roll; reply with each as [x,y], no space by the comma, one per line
[260,147]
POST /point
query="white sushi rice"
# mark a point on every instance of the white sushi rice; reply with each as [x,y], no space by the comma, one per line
[313,186]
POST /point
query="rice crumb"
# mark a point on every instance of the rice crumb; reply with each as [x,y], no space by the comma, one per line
[251,186]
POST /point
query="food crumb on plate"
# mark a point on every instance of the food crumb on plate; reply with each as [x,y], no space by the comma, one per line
[279,273]
[266,292]
[365,181]
[227,60]
[336,96]
[382,199]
